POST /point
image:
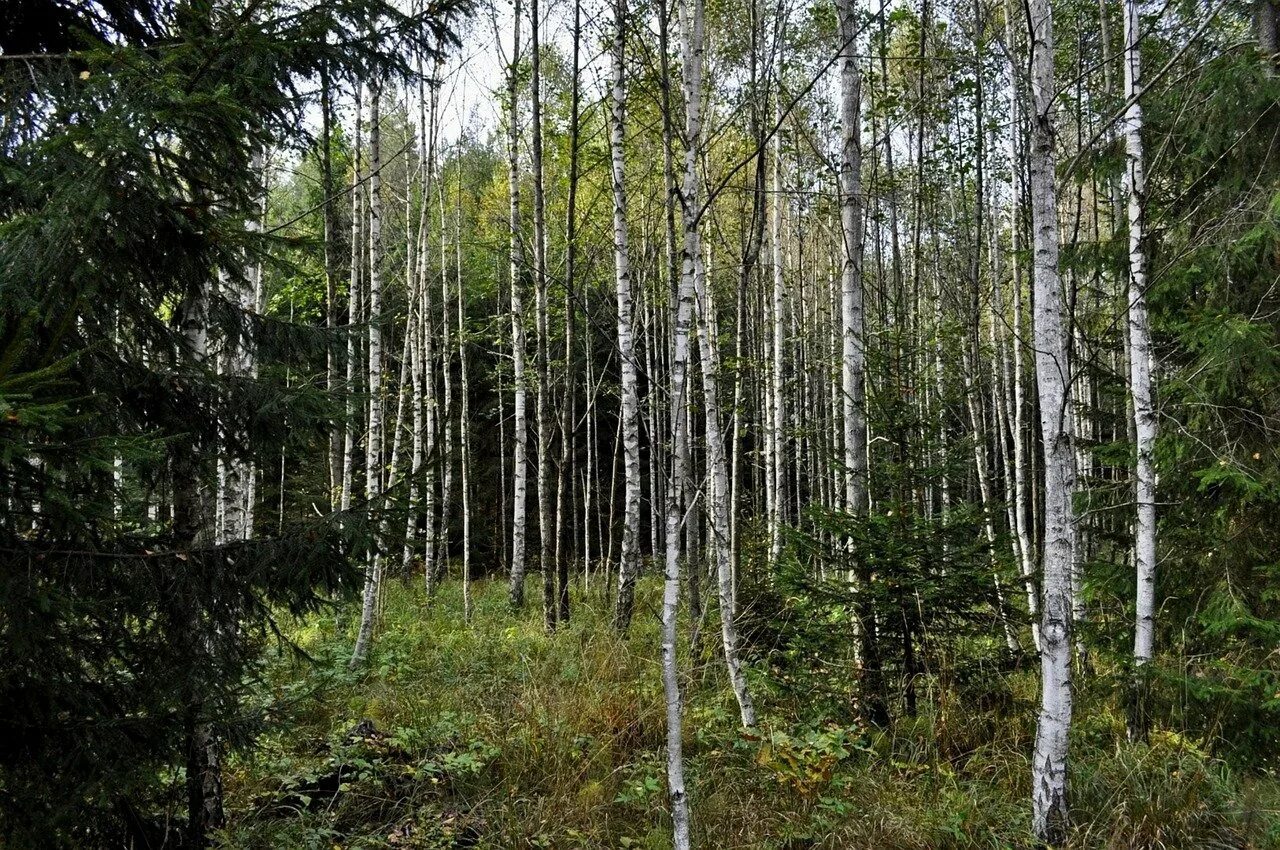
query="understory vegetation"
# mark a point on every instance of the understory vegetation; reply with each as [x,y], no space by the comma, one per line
[496,735]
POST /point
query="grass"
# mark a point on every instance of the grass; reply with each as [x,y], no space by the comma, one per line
[494,735]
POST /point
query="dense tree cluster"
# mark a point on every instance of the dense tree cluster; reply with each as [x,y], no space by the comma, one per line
[907,341]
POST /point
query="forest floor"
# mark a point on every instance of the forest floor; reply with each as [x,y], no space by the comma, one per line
[495,735]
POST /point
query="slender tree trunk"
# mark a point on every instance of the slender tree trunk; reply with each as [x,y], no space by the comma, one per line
[194,524]
[239,360]
[718,506]
[545,533]
[1049,765]
[416,328]
[446,377]
[692,50]
[520,453]
[853,349]
[775,448]
[330,279]
[629,561]
[353,318]
[1023,496]
[1140,379]
[373,444]
[565,516]
[853,357]
[428,123]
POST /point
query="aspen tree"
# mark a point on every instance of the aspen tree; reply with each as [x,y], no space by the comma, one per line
[238,358]
[194,525]
[853,351]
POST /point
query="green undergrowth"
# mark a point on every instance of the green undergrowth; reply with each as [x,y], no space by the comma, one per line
[494,735]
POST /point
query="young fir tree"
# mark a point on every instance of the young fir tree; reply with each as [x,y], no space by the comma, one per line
[129,185]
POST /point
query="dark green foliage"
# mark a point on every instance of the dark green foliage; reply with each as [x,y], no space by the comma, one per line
[1216,313]
[926,587]
[125,185]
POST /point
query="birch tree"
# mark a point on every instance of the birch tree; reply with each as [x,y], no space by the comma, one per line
[691,63]
[774,439]
[354,307]
[520,426]
[853,351]
[629,558]
[1144,418]
[718,504]
[373,442]
[1049,764]
[546,537]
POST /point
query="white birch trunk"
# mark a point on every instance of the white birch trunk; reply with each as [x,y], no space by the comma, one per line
[776,462]
[546,555]
[1017,419]
[1140,361]
[416,333]
[718,505]
[373,443]
[629,562]
[691,53]
[1049,764]
[446,376]
[520,452]
[428,117]
[853,351]
[353,318]
[239,359]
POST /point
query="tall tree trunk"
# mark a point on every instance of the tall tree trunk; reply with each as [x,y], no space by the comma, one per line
[691,53]
[428,124]
[373,443]
[520,453]
[330,277]
[775,448]
[629,561]
[416,328]
[1017,420]
[1049,765]
[853,349]
[718,505]
[353,318]
[853,355]
[545,533]
[239,360]
[565,501]
[194,519]
[446,378]
[1140,380]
